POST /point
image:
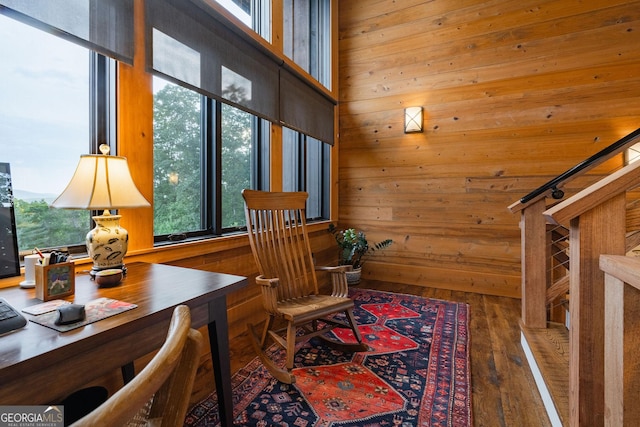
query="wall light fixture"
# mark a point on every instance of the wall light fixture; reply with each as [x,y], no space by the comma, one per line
[412,119]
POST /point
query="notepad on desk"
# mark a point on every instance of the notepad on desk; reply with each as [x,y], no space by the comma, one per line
[45,307]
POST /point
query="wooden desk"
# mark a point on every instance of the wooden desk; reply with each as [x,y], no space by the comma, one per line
[39,365]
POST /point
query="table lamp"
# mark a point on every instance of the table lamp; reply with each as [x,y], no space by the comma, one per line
[104,182]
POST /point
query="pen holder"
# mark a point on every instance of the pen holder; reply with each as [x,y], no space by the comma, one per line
[55,280]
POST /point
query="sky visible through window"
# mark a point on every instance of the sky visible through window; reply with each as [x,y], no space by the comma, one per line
[240,12]
[44,108]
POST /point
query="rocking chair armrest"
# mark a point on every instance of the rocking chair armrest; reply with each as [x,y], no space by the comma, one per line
[269,288]
[270,283]
[338,279]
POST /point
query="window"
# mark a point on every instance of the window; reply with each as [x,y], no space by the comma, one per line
[243,87]
[318,169]
[306,166]
[45,85]
[177,160]
[236,164]
[306,160]
[307,36]
[205,153]
[244,159]
[255,14]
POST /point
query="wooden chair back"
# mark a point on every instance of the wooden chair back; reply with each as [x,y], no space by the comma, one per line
[280,244]
[279,241]
[166,382]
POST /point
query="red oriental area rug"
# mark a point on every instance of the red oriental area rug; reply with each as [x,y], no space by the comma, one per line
[417,373]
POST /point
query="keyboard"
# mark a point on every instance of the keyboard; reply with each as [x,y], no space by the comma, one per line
[10,318]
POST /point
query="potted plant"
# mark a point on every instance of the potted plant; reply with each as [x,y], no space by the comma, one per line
[352,248]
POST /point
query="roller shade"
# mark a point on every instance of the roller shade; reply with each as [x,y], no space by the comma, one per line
[193,48]
[105,26]
[304,109]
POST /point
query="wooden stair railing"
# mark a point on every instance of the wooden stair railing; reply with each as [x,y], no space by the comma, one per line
[559,285]
[622,338]
[597,218]
[547,277]
[549,347]
[536,275]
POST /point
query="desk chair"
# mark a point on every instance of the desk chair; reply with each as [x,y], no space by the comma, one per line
[280,245]
[160,393]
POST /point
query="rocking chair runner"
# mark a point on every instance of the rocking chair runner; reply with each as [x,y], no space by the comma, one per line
[280,245]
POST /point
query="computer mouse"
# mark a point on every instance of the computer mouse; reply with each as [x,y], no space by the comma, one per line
[70,313]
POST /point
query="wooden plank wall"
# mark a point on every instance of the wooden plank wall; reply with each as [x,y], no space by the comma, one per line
[514,93]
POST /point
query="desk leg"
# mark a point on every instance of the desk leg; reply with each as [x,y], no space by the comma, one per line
[219,341]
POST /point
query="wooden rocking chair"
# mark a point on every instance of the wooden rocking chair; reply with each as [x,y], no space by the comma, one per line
[280,245]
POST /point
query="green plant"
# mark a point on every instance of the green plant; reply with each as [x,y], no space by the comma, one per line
[353,246]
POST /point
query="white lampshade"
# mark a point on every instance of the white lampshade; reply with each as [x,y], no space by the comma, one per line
[101,182]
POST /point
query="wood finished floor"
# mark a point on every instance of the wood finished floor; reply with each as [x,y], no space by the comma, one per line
[504,391]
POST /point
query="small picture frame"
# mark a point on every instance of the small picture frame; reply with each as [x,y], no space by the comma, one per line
[55,280]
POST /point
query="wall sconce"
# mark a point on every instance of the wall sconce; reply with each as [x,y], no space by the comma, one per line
[412,119]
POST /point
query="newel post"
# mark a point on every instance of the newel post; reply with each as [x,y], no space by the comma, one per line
[534,264]
[600,230]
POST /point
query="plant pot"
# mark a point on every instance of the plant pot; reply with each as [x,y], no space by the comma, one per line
[353,277]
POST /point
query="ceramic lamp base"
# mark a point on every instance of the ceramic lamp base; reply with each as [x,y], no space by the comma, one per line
[107,243]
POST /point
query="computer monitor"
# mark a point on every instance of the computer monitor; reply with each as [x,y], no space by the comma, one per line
[9,256]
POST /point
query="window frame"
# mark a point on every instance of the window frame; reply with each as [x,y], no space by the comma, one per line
[300,173]
[211,176]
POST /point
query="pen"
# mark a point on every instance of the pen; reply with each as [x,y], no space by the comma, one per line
[39,253]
